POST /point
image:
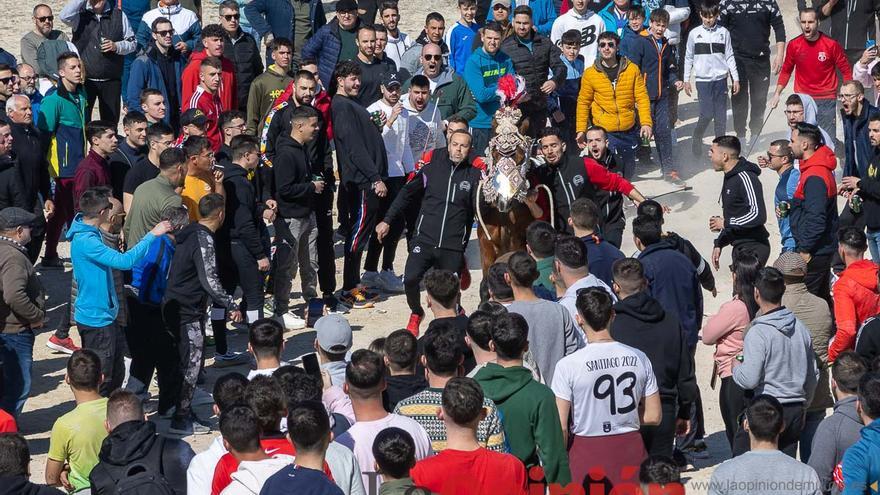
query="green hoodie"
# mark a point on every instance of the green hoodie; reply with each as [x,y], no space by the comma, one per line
[264,89]
[531,420]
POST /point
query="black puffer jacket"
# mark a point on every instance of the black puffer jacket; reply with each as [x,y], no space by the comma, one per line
[245,54]
[10,184]
[534,65]
[137,442]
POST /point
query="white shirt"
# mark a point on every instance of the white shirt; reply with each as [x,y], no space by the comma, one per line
[424,129]
[590,25]
[396,47]
[396,138]
[604,382]
[359,438]
[568,299]
[200,473]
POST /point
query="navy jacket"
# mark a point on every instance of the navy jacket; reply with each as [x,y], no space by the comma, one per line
[673,282]
[656,62]
[856,129]
[145,73]
[813,214]
[601,254]
[277,17]
[324,47]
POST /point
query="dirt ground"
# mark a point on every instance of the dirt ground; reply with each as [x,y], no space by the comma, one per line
[50,397]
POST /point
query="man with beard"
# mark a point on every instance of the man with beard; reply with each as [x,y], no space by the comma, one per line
[152,197]
[28,87]
[33,168]
[610,203]
[448,90]
[159,69]
[7,81]
[398,41]
[435,27]
[571,176]
[868,186]
[372,69]
[43,31]
[329,52]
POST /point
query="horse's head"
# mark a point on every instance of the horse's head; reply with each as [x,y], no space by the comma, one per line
[508,155]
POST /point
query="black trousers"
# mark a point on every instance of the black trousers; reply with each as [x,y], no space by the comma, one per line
[754,81]
[732,402]
[324,241]
[422,258]
[238,268]
[152,347]
[818,279]
[793,421]
[109,344]
[362,211]
[698,422]
[759,249]
[388,247]
[660,439]
[109,94]
[613,232]
[848,219]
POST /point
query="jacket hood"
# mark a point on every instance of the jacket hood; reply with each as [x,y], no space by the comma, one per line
[187,232]
[500,383]
[864,273]
[665,243]
[443,78]
[642,307]
[847,407]
[823,157]
[170,9]
[622,64]
[743,165]
[128,442]
[810,112]
[253,474]
[234,170]
[287,142]
[782,319]
[78,227]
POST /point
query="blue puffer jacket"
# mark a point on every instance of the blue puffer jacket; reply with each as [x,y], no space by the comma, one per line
[145,74]
[657,64]
[672,280]
[856,129]
[861,463]
[324,47]
[277,17]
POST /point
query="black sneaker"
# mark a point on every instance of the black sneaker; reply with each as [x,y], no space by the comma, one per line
[334,306]
[187,427]
[54,262]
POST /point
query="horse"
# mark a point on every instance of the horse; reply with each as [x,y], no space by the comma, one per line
[502,213]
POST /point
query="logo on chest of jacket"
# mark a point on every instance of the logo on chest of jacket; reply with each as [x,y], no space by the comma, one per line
[417,250]
[823,56]
[578,180]
[465,186]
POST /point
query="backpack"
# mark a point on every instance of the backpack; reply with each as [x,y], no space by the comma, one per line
[47,57]
[137,478]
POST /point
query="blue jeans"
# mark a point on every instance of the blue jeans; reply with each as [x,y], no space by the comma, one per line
[624,144]
[662,132]
[712,97]
[18,357]
[874,245]
[826,116]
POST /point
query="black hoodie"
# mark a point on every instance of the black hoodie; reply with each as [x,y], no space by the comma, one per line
[20,485]
[642,323]
[193,278]
[360,150]
[742,201]
[137,442]
[244,222]
[292,179]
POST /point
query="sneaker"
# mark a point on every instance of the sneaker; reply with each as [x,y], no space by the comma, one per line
[200,397]
[291,321]
[230,359]
[186,428]
[62,345]
[209,341]
[371,280]
[413,326]
[54,262]
[389,282]
[356,299]
[673,177]
[334,306]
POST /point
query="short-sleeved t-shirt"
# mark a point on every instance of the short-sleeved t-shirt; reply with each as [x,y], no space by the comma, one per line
[194,189]
[295,480]
[604,381]
[359,439]
[142,171]
[477,472]
[76,439]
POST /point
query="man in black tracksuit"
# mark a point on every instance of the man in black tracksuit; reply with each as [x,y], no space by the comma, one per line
[446,189]
[242,240]
[533,56]
[363,165]
[193,281]
[742,203]
[610,203]
[749,23]
[641,322]
[571,176]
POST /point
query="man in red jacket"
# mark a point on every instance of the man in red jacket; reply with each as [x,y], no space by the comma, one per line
[855,293]
[817,58]
[94,169]
[213,37]
[207,100]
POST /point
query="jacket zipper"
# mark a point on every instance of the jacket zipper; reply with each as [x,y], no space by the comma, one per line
[564,187]
[445,207]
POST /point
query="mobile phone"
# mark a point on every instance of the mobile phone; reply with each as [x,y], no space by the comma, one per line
[870,44]
[314,311]
[310,364]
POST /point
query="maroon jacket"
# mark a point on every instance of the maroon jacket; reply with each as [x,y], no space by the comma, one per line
[93,170]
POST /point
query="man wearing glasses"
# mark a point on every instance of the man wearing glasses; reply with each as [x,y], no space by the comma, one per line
[186,30]
[7,81]
[448,90]
[242,49]
[160,68]
[44,29]
[612,90]
[780,160]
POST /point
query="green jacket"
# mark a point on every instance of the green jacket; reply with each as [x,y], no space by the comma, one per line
[150,200]
[531,420]
[403,486]
[545,268]
[455,99]
[264,89]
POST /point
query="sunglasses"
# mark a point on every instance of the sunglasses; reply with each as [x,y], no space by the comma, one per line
[607,45]
[45,18]
[230,17]
[7,80]
[433,57]
[165,32]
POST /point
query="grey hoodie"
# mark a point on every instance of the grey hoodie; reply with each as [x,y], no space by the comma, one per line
[810,117]
[835,434]
[778,358]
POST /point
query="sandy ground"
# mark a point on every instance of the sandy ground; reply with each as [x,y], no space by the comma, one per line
[50,398]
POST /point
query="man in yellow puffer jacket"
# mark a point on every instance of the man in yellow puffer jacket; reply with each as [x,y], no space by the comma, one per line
[613,96]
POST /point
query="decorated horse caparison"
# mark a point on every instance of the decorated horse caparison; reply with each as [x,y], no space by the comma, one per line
[503,213]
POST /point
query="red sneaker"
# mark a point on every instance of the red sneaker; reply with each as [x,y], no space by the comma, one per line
[62,345]
[413,325]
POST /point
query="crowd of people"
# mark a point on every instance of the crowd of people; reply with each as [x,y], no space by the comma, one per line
[577,370]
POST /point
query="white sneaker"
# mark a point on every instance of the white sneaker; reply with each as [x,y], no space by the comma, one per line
[389,282]
[291,321]
[371,280]
[230,359]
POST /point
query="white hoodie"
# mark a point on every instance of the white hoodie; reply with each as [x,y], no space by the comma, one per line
[396,47]
[590,25]
[200,473]
[252,475]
